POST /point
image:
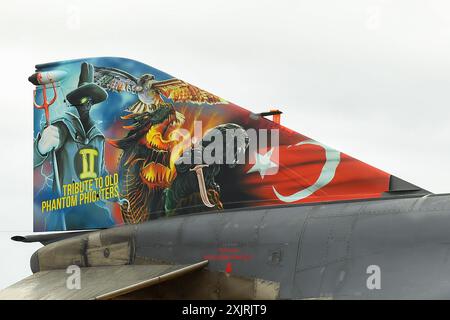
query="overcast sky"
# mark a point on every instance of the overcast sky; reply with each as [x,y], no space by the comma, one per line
[369,78]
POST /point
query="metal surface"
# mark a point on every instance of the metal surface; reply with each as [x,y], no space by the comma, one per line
[204,284]
[47,238]
[320,251]
[96,283]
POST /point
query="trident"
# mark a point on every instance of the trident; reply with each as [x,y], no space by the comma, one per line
[46,105]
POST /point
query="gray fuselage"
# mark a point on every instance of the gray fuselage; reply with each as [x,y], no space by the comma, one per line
[319,251]
[326,251]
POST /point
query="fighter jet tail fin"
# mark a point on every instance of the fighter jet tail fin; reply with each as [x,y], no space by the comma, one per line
[130,159]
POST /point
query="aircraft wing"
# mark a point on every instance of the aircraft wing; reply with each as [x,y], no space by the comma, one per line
[96,282]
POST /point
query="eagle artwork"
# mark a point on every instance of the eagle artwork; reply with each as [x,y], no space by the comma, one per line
[147,163]
[151,93]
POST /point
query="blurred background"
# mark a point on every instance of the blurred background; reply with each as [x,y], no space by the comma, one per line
[367,77]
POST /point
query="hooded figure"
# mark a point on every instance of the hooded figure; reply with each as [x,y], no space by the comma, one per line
[79,147]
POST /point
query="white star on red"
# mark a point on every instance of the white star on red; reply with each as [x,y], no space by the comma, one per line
[263,163]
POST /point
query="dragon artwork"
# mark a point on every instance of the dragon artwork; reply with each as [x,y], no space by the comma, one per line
[153,178]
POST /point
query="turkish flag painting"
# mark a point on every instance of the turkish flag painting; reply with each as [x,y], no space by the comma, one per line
[310,172]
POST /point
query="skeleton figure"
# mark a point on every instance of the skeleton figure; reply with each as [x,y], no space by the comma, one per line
[75,137]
